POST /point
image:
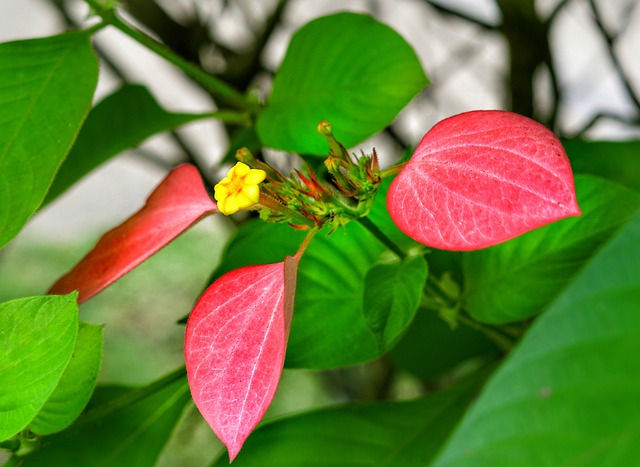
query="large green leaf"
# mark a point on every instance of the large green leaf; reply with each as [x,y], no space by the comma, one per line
[259,242]
[346,68]
[134,427]
[120,121]
[384,434]
[430,347]
[37,337]
[76,385]
[329,328]
[568,394]
[517,279]
[614,160]
[46,86]
[392,293]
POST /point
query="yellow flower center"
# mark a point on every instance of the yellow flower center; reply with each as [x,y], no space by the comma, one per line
[239,189]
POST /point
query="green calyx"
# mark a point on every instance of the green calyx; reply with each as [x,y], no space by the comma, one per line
[305,201]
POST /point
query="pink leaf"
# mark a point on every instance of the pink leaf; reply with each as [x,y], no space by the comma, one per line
[178,202]
[481,178]
[235,346]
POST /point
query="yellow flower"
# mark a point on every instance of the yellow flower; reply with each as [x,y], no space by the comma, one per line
[239,189]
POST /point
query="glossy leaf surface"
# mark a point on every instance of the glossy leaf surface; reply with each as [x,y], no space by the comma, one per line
[614,160]
[235,344]
[499,280]
[392,433]
[392,293]
[37,338]
[568,394]
[121,427]
[329,329]
[259,242]
[480,178]
[346,68]
[46,86]
[430,347]
[178,202]
[132,114]
[76,385]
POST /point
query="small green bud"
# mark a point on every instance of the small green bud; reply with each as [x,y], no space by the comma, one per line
[324,128]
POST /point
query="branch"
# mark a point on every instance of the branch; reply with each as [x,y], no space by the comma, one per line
[610,41]
[631,121]
[145,154]
[459,14]
[559,7]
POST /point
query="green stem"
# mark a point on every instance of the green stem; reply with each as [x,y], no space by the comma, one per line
[230,116]
[501,341]
[96,27]
[380,235]
[215,85]
[391,170]
[305,243]
[276,206]
[10,444]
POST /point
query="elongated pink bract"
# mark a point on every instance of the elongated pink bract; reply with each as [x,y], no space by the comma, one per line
[481,178]
[178,202]
[235,346]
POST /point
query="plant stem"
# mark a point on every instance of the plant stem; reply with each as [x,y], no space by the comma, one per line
[500,340]
[230,116]
[96,27]
[305,243]
[276,206]
[10,444]
[380,235]
[391,170]
[215,85]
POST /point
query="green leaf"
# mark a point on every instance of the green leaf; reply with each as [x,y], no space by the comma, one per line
[383,434]
[430,347]
[329,328]
[46,86]
[37,337]
[121,427]
[517,279]
[568,394]
[346,68]
[121,121]
[76,385]
[615,160]
[392,293]
[259,242]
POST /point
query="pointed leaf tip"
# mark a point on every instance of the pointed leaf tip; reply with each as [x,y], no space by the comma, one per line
[178,202]
[480,178]
[235,344]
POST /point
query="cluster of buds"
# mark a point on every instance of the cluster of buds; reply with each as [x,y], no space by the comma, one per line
[303,200]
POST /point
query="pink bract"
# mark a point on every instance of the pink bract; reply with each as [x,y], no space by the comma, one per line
[178,202]
[481,178]
[235,347]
